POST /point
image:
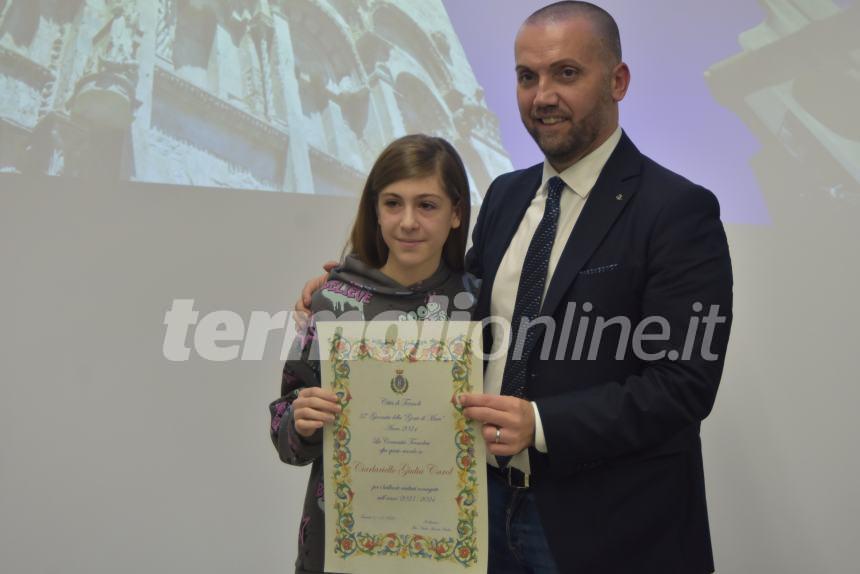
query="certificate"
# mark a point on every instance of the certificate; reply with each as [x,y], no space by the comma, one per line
[405,471]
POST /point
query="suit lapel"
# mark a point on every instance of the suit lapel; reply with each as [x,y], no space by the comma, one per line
[612,192]
[514,204]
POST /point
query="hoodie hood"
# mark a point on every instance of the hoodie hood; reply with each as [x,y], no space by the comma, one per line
[354,271]
[355,286]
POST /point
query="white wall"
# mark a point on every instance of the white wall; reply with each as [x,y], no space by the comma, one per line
[113,458]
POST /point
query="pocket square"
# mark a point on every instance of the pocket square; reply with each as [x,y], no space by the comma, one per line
[600,269]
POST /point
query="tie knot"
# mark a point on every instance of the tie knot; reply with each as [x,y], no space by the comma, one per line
[555,186]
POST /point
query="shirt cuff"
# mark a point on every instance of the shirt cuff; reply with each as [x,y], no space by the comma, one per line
[540,440]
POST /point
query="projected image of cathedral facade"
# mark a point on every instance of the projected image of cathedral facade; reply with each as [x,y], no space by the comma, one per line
[282,95]
[796,84]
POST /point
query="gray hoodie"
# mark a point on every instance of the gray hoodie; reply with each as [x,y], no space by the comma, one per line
[353,291]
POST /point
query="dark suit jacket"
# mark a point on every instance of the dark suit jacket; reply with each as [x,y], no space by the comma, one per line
[622,487]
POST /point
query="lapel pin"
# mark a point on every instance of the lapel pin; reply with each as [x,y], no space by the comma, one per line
[619,197]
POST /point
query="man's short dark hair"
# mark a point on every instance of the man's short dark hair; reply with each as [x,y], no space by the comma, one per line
[604,23]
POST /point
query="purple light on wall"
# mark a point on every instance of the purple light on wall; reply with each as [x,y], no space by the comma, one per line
[669,111]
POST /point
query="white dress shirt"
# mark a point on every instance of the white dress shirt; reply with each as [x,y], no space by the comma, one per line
[579,179]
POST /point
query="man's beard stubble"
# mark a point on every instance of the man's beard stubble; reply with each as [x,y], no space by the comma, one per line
[580,137]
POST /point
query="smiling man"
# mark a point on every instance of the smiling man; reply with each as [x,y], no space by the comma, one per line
[596,462]
[569,81]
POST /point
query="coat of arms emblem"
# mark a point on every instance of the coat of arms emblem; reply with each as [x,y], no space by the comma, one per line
[399,383]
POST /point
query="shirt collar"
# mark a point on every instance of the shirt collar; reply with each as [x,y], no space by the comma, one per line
[581,176]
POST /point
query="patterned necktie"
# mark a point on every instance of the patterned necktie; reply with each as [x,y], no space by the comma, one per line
[529,296]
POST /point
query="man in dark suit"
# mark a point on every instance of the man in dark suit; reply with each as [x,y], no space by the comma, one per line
[614,275]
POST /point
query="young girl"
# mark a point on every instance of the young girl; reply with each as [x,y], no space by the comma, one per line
[407,249]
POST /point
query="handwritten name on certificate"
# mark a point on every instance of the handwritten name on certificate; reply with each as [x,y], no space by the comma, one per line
[405,474]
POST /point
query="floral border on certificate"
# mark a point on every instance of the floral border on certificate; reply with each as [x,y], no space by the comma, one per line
[461,549]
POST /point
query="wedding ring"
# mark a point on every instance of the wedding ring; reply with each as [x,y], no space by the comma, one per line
[498,435]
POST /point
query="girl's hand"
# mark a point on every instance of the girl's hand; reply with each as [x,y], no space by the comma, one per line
[313,408]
